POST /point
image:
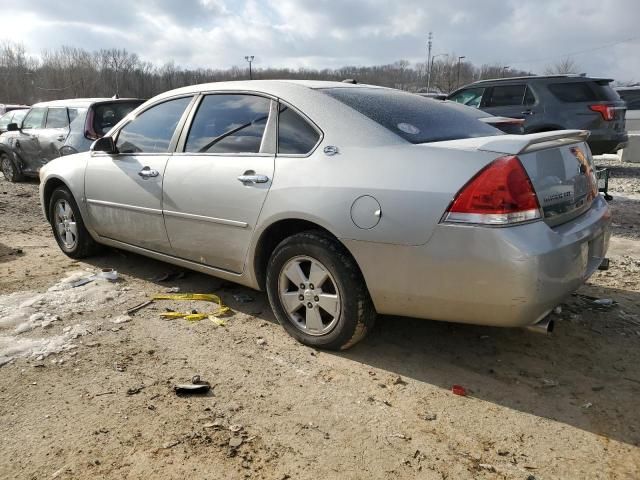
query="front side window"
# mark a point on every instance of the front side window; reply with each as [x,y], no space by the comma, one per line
[228,124]
[152,130]
[6,119]
[295,135]
[57,118]
[471,97]
[34,118]
[506,95]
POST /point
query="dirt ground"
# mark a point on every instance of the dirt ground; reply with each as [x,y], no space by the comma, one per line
[103,406]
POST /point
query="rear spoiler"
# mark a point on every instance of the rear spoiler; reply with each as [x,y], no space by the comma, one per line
[517,144]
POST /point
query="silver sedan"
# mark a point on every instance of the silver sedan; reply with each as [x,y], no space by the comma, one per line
[342,202]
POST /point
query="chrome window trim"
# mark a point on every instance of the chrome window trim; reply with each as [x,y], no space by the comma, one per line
[104,203]
[204,218]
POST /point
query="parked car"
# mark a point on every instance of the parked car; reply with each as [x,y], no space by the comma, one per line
[513,126]
[12,116]
[340,201]
[53,129]
[631,96]
[554,102]
[4,108]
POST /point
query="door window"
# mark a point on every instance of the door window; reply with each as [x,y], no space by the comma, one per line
[57,118]
[152,130]
[470,97]
[295,135]
[506,95]
[229,124]
[34,118]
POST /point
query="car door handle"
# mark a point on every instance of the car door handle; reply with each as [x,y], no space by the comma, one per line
[528,112]
[147,172]
[253,178]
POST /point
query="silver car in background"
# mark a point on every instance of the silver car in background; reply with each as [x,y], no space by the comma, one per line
[341,201]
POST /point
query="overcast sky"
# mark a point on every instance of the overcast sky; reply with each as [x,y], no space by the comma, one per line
[525,34]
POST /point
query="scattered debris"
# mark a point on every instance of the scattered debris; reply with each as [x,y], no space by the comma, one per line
[587,405]
[488,467]
[430,417]
[106,274]
[261,341]
[172,290]
[193,315]
[243,298]
[104,393]
[604,302]
[196,387]
[171,444]
[135,390]
[401,436]
[139,306]
[121,319]
[459,390]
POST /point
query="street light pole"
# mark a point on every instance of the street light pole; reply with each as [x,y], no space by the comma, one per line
[249,58]
[504,69]
[458,80]
[429,45]
[431,66]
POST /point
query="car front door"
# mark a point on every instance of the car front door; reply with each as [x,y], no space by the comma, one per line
[124,191]
[215,187]
[514,101]
[54,133]
[26,142]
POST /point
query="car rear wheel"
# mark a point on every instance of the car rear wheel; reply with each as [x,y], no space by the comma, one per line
[317,292]
[9,169]
[67,225]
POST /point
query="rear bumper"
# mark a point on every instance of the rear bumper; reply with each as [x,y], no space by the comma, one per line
[507,277]
[601,144]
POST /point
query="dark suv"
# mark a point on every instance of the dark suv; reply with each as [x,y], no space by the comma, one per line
[555,102]
[53,129]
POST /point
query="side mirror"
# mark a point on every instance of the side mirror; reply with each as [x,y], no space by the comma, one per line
[104,144]
[13,127]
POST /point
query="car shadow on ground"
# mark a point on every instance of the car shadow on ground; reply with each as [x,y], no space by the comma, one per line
[587,374]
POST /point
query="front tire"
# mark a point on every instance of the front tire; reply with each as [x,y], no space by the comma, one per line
[10,169]
[68,227]
[317,292]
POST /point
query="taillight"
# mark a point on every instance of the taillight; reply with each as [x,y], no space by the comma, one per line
[500,194]
[608,112]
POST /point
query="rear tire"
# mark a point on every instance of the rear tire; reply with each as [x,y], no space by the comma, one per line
[337,311]
[68,227]
[9,169]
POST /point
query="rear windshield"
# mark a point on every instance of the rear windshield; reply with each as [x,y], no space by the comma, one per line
[591,91]
[416,119]
[106,115]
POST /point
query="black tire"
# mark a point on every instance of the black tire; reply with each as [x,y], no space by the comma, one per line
[9,169]
[357,313]
[84,245]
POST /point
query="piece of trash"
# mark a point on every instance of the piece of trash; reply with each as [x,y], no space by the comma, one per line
[196,387]
[172,290]
[488,467]
[401,436]
[139,306]
[430,417]
[171,444]
[549,383]
[121,319]
[135,390]
[459,390]
[106,273]
[604,302]
[235,442]
[235,428]
[261,342]
[243,298]
[587,405]
[206,297]
[218,321]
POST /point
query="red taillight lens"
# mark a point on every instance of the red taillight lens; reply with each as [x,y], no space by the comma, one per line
[608,112]
[500,194]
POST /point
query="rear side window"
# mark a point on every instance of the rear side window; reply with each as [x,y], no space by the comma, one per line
[576,92]
[34,118]
[152,130]
[414,118]
[57,118]
[295,135]
[507,95]
[229,124]
[106,115]
[470,97]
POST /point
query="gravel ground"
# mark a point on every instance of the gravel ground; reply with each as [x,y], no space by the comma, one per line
[103,406]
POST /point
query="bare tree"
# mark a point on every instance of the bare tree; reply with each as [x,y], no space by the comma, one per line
[566,65]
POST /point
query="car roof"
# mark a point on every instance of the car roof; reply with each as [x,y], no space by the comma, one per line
[624,89]
[568,77]
[270,87]
[82,102]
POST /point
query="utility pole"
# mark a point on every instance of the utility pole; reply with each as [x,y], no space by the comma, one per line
[429,45]
[249,58]
[504,69]
[458,81]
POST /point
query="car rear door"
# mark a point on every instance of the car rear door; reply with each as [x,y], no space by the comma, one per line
[54,133]
[215,187]
[124,191]
[27,143]
[514,101]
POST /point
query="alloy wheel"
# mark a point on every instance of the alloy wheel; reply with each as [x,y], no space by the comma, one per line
[65,223]
[7,168]
[309,295]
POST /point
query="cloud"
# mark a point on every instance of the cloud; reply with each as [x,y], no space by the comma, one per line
[524,34]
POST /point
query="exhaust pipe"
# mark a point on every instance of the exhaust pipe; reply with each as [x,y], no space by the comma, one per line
[544,326]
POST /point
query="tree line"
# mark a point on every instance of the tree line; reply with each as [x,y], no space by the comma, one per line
[71,72]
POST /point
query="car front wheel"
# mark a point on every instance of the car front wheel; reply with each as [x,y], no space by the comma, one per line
[67,225]
[317,292]
[9,169]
